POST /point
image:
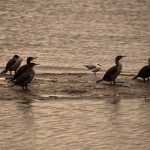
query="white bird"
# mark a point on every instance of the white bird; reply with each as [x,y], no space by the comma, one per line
[94,68]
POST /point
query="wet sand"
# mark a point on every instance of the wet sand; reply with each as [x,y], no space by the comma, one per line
[71,85]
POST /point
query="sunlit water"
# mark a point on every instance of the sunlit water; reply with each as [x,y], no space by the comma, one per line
[75,124]
[67,34]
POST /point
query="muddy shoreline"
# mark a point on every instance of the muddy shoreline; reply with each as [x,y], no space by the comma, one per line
[74,86]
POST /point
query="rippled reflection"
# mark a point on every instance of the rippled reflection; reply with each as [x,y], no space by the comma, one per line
[75,124]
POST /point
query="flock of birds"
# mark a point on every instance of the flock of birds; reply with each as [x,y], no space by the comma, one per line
[25,74]
[112,73]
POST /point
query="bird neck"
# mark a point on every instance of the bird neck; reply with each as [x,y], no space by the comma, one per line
[30,67]
[28,61]
[117,62]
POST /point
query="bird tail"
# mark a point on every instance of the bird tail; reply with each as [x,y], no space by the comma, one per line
[85,65]
[99,80]
[135,77]
[4,71]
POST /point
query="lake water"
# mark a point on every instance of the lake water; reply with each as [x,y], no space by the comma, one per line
[75,124]
[65,35]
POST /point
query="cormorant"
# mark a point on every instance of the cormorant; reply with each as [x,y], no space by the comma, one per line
[113,72]
[144,72]
[94,68]
[26,77]
[13,64]
[23,68]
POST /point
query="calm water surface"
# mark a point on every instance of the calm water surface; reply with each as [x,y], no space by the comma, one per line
[67,34]
[75,124]
[64,35]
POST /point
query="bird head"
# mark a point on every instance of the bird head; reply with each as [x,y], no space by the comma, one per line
[30,59]
[120,57]
[98,65]
[15,56]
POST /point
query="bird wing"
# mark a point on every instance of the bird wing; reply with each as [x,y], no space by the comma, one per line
[10,63]
[21,79]
[20,71]
[90,66]
[110,73]
[96,69]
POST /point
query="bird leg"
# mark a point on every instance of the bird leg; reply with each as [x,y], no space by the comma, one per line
[26,87]
[94,74]
[114,82]
[22,87]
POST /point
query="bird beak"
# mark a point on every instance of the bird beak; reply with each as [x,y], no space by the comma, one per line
[98,64]
[123,56]
[37,64]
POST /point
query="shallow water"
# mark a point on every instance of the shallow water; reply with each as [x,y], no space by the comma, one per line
[65,35]
[75,124]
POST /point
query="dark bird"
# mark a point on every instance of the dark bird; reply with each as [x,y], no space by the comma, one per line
[23,68]
[12,64]
[147,99]
[94,68]
[26,77]
[113,72]
[144,72]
